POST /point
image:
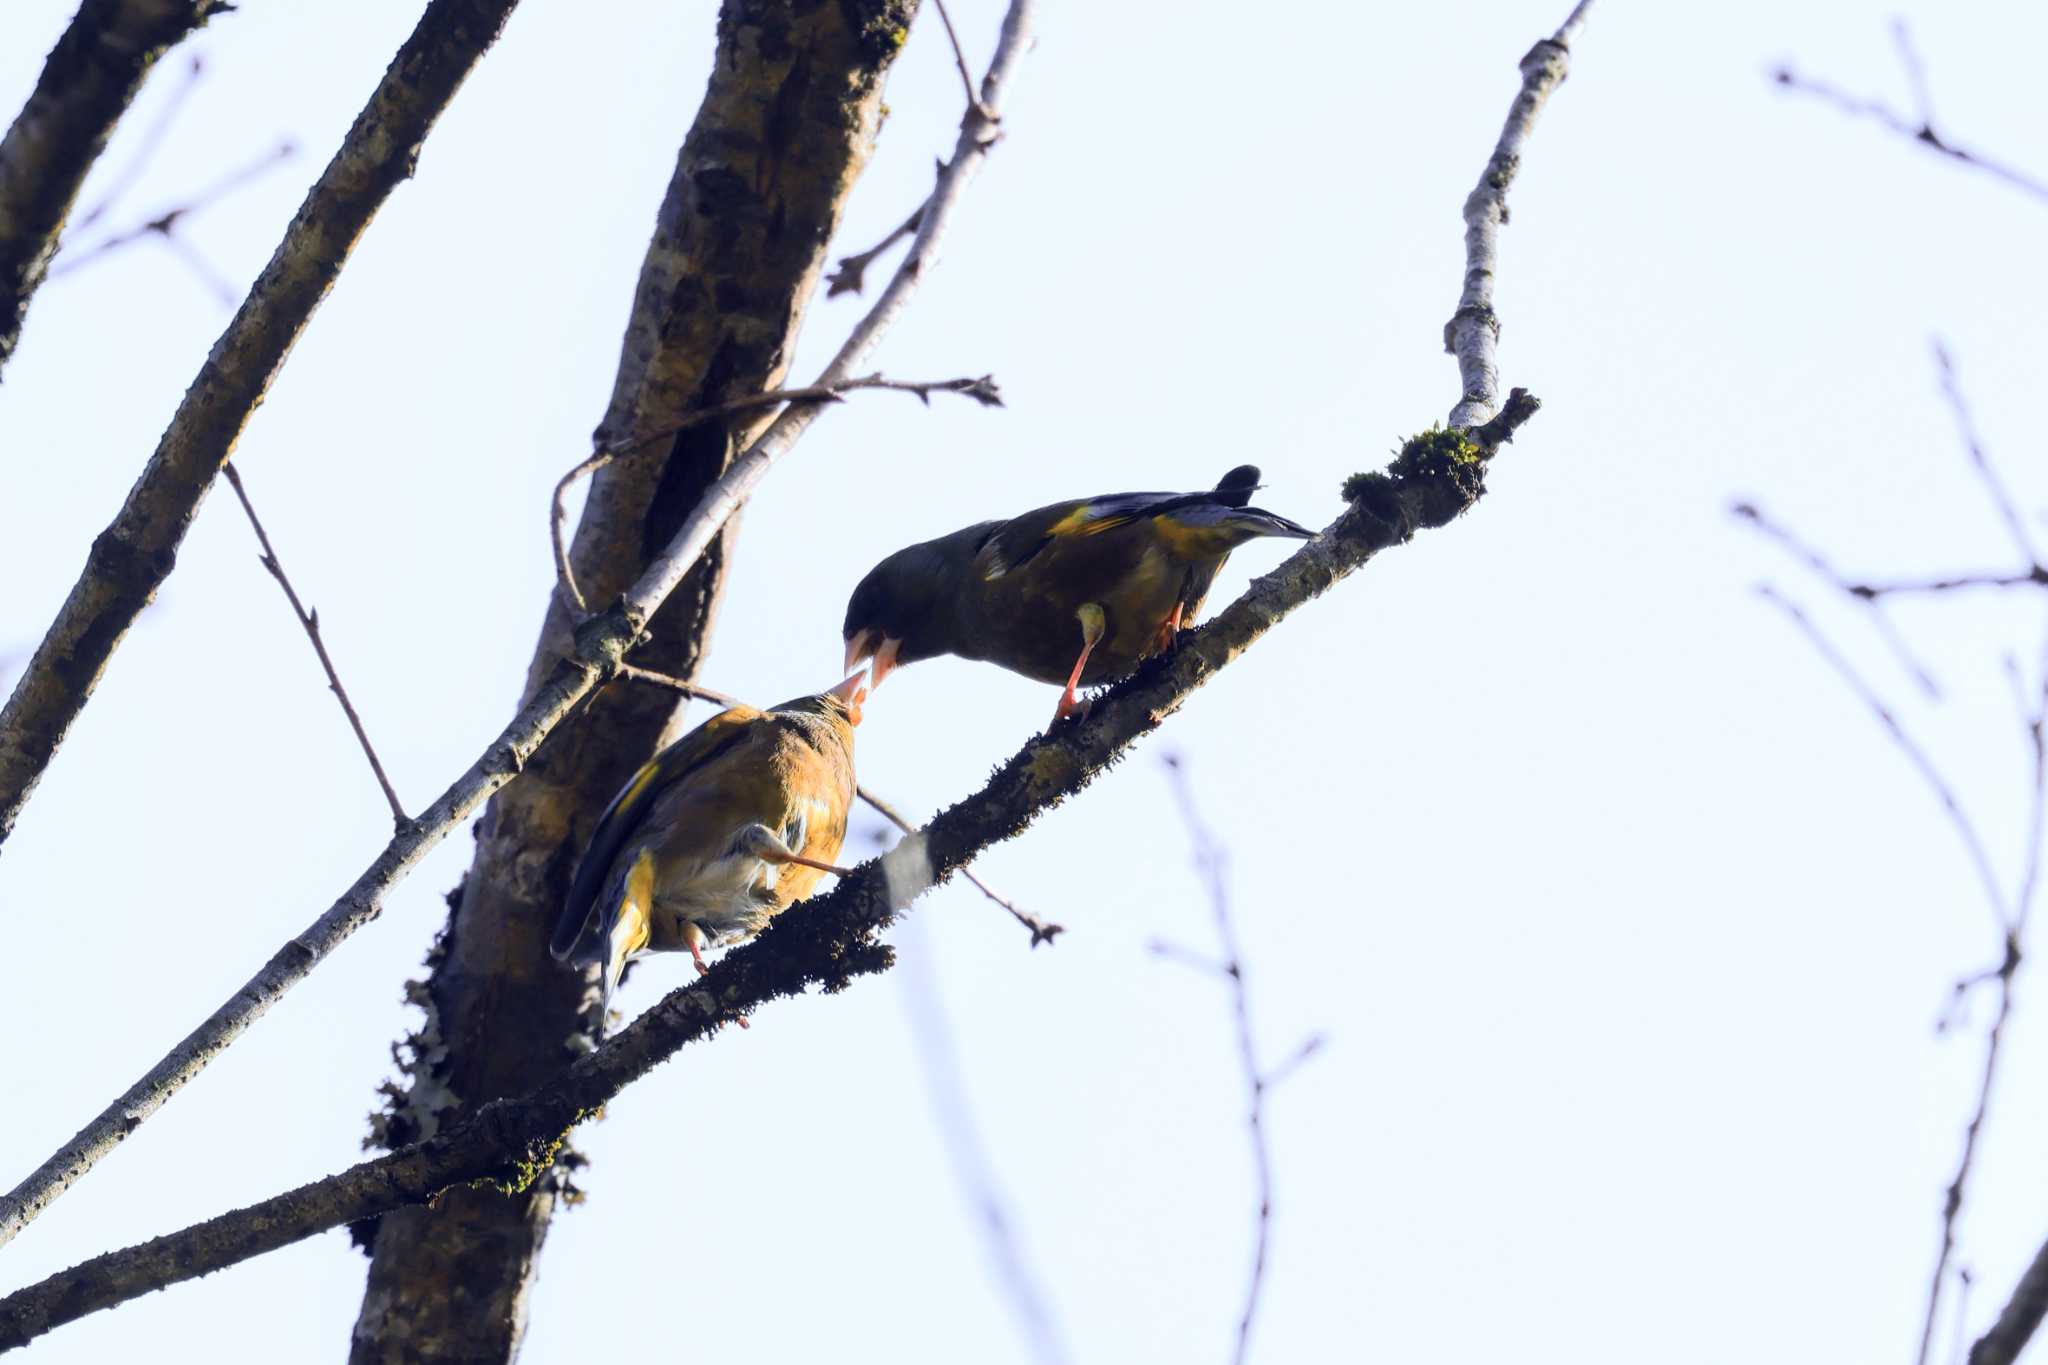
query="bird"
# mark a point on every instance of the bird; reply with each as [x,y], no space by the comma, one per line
[717,834]
[1081,591]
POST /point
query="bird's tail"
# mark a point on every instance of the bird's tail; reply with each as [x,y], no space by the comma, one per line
[1235,489]
[620,926]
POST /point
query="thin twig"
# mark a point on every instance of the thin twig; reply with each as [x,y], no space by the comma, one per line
[1474,329]
[1966,427]
[145,150]
[1859,592]
[165,226]
[1212,862]
[960,60]
[945,1082]
[1966,830]
[1041,931]
[982,390]
[851,272]
[1919,130]
[310,621]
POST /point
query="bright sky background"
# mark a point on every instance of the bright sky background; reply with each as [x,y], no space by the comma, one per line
[1627,927]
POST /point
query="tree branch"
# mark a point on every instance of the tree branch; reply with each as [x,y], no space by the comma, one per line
[2020,1318]
[88,82]
[310,622]
[1210,861]
[982,390]
[601,642]
[133,556]
[1920,129]
[1474,329]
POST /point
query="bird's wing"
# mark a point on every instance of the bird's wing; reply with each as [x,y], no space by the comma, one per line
[710,741]
[1017,541]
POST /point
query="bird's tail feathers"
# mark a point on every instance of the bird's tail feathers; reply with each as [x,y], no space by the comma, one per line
[1235,489]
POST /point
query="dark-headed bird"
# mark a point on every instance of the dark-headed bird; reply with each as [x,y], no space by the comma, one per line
[1080,592]
[723,830]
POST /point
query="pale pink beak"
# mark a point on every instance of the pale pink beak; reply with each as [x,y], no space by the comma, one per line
[853,692]
[885,659]
[857,648]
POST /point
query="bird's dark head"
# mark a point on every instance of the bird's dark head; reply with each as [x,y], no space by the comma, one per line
[904,610]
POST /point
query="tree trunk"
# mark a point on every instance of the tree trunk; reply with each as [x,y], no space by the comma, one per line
[786,125]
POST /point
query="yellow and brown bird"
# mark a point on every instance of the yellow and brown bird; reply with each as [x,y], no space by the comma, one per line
[723,830]
[1080,591]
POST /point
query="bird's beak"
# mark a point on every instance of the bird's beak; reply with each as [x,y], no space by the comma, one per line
[885,659]
[852,692]
[857,648]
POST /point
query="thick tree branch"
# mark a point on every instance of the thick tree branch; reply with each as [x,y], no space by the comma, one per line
[824,942]
[88,82]
[309,621]
[1474,329]
[2020,1318]
[134,555]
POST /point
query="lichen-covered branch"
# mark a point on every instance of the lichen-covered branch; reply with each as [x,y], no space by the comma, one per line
[1474,329]
[132,557]
[824,942]
[87,83]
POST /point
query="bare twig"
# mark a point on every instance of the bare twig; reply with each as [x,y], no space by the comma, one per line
[1920,129]
[165,226]
[129,561]
[960,60]
[601,644]
[1923,763]
[982,390]
[1994,487]
[1860,592]
[145,151]
[851,272]
[1212,862]
[310,621]
[945,1081]
[1041,931]
[1474,329]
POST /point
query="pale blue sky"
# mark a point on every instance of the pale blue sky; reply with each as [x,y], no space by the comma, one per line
[1625,924]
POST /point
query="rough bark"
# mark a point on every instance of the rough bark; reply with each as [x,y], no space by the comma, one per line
[88,82]
[133,556]
[738,249]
